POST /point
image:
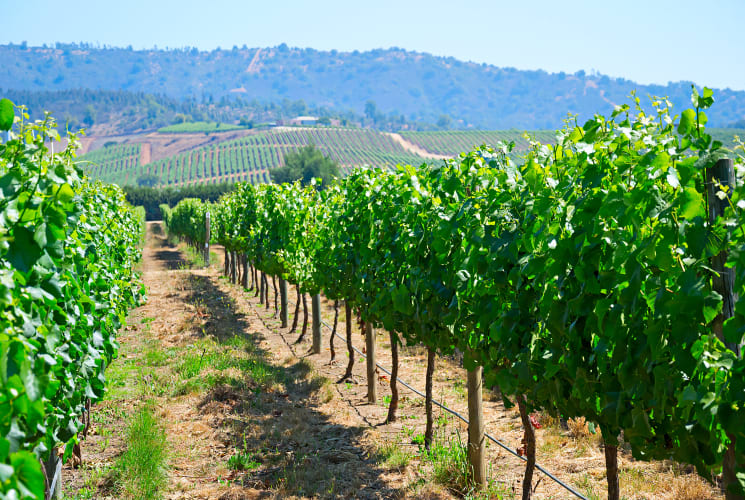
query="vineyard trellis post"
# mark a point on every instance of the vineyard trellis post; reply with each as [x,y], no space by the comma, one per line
[207,239]
[283,314]
[372,393]
[316,311]
[476,442]
[721,177]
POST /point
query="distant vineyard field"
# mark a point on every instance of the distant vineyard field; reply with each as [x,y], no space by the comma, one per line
[726,135]
[114,164]
[198,128]
[454,142]
[250,158]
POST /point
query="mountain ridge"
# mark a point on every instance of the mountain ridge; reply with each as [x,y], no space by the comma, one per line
[419,86]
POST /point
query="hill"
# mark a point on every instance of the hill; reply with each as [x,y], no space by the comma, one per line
[250,156]
[245,155]
[418,87]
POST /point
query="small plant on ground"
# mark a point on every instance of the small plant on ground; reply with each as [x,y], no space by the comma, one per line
[449,460]
[394,455]
[243,460]
[141,468]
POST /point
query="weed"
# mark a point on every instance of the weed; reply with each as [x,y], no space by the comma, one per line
[578,427]
[243,460]
[449,461]
[141,468]
[155,355]
[93,475]
[459,388]
[394,455]
[584,483]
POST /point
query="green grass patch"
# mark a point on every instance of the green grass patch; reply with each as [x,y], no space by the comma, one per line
[141,469]
[449,460]
[394,455]
[203,366]
[199,128]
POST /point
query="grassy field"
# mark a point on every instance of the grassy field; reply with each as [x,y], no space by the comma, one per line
[198,128]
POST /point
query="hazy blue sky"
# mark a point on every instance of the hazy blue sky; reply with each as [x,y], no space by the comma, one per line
[649,41]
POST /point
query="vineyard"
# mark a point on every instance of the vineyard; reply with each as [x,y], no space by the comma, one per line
[250,158]
[113,164]
[596,280]
[198,127]
[68,255]
[452,142]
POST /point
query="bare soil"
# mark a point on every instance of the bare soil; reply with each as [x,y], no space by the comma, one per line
[413,148]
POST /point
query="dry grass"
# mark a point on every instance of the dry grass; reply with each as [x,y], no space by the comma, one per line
[578,428]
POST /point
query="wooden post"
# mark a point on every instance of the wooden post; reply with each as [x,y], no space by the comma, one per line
[283,313]
[207,239]
[245,271]
[721,177]
[372,385]
[476,443]
[316,307]
[261,294]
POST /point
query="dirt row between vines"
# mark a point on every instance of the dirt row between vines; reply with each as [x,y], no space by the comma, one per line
[249,414]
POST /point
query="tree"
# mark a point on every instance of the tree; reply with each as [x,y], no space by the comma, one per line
[443,122]
[371,110]
[304,165]
[148,180]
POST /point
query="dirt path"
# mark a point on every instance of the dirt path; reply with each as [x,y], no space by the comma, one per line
[249,414]
[145,153]
[413,148]
[254,61]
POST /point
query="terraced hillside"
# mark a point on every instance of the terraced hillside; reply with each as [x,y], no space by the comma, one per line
[453,142]
[114,164]
[251,157]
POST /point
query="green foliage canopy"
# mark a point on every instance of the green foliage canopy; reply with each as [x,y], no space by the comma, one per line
[305,165]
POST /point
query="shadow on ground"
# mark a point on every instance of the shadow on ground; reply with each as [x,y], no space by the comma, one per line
[269,413]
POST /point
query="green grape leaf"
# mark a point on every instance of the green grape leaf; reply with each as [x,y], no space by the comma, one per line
[691,204]
[29,478]
[687,122]
[7,114]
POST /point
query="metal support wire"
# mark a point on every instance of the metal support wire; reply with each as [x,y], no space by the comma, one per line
[455,413]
